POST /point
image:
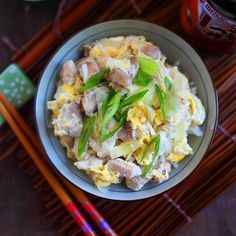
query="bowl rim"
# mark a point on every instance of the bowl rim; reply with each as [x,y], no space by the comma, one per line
[196,56]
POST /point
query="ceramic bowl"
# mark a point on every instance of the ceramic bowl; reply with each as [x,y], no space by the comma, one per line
[176,50]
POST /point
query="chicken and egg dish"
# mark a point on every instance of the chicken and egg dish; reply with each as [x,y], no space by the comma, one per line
[123,113]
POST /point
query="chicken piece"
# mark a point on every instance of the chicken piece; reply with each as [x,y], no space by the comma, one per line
[103,149]
[69,121]
[90,164]
[89,102]
[136,183]
[134,66]
[68,72]
[93,98]
[151,51]
[119,78]
[129,66]
[87,67]
[124,168]
[127,133]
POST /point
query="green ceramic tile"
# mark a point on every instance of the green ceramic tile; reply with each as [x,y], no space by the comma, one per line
[16,86]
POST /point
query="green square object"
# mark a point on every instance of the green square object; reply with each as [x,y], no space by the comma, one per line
[16,86]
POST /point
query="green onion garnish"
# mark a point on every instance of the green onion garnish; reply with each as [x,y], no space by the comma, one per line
[148,66]
[104,105]
[133,98]
[111,108]
[117,116]
[156,141]
[147,69]
[147,147]
[142,78]
[85,134]
[93,80]
[168,83]
[118,126]
[161,101]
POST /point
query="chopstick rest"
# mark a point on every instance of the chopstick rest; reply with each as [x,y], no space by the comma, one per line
[16,86]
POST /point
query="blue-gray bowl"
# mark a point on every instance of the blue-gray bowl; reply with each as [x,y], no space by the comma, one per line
[176,50]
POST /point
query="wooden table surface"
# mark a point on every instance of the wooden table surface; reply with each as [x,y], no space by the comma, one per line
[21,208]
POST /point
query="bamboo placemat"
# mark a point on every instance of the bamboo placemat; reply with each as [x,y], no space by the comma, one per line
[159,215]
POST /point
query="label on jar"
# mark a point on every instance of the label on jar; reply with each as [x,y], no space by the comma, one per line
[213,25]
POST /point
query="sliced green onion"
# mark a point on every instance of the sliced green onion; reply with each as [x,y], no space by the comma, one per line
[148,66]
[148,167]
[146,148]
[142,78]
[85,134]
[104,105]
[118,126]
[133,98]
[111,108]
[161,101]
[147,69]
[93,80]
[117,116]
[168,83]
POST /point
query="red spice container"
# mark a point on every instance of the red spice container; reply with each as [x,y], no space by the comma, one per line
[210,24]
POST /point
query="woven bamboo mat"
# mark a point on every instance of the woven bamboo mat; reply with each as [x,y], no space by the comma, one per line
[159,215]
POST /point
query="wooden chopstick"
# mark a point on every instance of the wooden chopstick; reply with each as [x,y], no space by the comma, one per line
[56,186]
[79,195]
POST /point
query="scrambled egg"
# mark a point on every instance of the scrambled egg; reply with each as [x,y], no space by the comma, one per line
[175,158]
[68,89]
[197,109]
[102,177]
[179,151]
[147,159]
[158,120]
[65,93]
[108,51]
[113,52]
[140,113]
[137,115]
[54,107]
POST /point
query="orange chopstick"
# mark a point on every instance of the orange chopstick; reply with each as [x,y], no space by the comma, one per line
[56,186]
[79,195]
